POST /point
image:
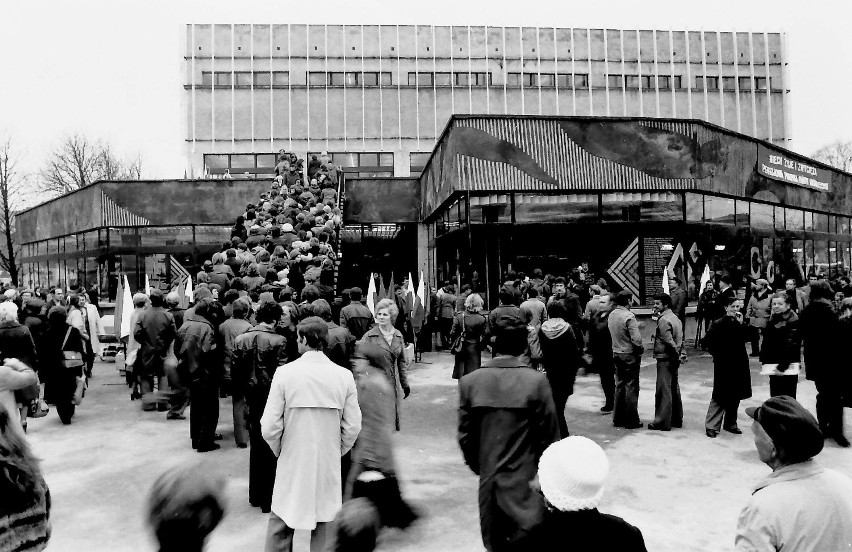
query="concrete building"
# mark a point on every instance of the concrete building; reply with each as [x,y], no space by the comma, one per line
[377,97]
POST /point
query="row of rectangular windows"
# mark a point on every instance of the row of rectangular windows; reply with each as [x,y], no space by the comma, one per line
[266,79]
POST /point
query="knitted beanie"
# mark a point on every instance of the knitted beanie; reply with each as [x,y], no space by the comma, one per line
[572,473]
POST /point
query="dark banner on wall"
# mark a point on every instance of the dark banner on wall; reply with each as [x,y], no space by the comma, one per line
[772,164]
[381,200]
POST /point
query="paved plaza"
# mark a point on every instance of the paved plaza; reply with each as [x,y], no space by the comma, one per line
[681,489]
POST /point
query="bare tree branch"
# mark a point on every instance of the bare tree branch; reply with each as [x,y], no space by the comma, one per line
[10,189]
[838,155]
[77,162]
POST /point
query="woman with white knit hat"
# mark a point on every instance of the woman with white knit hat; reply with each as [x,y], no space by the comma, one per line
[571,477]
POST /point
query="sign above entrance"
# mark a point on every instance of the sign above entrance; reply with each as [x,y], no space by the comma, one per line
[773,164]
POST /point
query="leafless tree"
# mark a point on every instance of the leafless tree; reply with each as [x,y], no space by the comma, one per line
[77,162]
[10,192]
[838,155]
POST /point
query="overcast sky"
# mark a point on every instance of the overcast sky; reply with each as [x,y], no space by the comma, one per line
[113,69]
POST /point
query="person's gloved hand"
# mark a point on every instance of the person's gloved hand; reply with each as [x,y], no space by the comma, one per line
[406,391]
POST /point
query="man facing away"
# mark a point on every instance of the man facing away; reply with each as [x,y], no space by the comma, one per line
[507,419]
[800,506]
[626,353]
[668,409]
[355,316]
[310,421]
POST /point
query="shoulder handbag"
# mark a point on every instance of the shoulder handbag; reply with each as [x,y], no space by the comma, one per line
[71,359]
[459,340]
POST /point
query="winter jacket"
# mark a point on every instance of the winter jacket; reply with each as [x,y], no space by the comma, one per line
[154,331]
[393,363]
[758,310]
[560,355]
[624,331]
[821,335]
[782,343]
[340,346]
[17,342]
[229,331]
[356,318]
[586,530]
[668,336]
[195,348]
[679,302]
[726,339]
[257,355]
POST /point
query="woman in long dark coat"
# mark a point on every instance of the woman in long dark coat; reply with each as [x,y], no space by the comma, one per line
[726,339]
[60,382]
[475,328]
[387,338]
[560,358]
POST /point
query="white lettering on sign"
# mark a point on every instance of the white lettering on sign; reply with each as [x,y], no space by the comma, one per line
[793,171]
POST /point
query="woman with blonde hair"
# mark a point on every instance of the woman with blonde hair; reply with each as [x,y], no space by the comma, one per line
[387,338]
[467,336]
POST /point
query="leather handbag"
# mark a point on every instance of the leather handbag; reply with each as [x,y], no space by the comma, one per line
[71,359]
[458,343]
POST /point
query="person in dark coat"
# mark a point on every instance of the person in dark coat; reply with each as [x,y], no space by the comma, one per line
[389,340]
[16,342]
[60,382]
[560,358]
[355,316]
[506,420]
[599,345]
[155,331]
[821,334]
[257,355]
[505,311]
[340,344]
[473,329]
[570,478]
[780,352]
[446,311]
[200,370]
[726,291]
[726,339]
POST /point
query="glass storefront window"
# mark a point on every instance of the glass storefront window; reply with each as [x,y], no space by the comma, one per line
[556,208]
[742,214]
[794,219]
[718,210]
[821,263]
[779,218]
[490,209]
[809,221]
[212,235]
[694,208]
[52,247]
[661,207]
[820,222]
[619,207]
[809,257]
[843,225]
[761,216]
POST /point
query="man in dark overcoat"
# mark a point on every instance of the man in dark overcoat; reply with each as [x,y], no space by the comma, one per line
[507,419]
[821,341]
[155,331]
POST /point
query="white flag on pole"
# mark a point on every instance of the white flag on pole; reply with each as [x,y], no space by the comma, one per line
[371,295]
[665,280]
[126,309]
[147,286]
[705,277]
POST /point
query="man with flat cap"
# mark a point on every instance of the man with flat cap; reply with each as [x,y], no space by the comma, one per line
[800,506]
[507,419]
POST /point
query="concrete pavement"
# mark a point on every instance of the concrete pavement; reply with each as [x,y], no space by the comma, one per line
[681,489]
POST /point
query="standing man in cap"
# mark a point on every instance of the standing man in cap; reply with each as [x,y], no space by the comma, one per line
[626,353]
[800,506]
[668,408]
[821,341]
[507,419]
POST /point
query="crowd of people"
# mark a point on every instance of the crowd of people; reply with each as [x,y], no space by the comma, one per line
[266,329]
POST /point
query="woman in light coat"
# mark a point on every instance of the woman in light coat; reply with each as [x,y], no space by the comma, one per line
[94,326]
[389,340]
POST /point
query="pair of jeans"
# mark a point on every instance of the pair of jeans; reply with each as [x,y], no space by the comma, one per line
[668,408]
[241,435]
[626,407]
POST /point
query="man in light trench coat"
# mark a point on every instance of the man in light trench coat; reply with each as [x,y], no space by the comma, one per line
[310,421]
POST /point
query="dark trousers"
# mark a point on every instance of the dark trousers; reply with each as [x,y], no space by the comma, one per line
[606,371]
[262,462]
[829,407]
[204,414]
[279,537]
[240,410]
[668,408]
[755,340]
[783,385]
[720,410]
[625,409]
[446,325]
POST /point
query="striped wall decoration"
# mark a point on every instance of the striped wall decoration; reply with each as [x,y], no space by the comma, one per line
[571,166]
[113,214]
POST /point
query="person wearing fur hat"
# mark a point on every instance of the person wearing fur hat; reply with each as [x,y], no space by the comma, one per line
[507,419]
[571,477]
[800,506]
